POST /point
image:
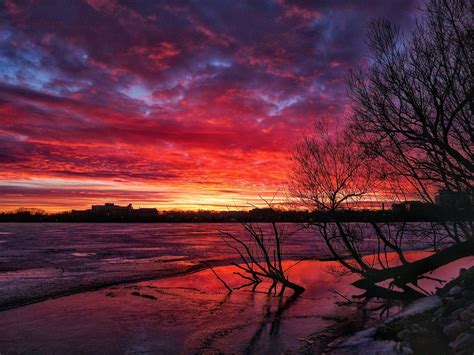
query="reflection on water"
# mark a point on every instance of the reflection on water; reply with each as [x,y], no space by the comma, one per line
[78,257]
[194,313]
[29,274]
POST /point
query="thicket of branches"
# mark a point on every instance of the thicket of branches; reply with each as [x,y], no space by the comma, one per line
[261,257]
[411,129]
[413,105]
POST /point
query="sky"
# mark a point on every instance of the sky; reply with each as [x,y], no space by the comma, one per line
[169,104]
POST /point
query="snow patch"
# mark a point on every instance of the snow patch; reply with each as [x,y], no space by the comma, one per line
[421,305]
[373,347]
[360,337]
[363,342]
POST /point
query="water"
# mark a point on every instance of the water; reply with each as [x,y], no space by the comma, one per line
[194,314]
[42,260]
[190,313]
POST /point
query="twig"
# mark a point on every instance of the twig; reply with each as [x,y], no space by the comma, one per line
[340,294]
[218,277]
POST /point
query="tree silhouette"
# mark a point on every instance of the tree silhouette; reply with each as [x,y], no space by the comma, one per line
[411,126]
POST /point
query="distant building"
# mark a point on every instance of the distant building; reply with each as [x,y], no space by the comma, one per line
[264,214]
[454,201]
[145,212]
[398,208]
[413,208]
[111,210]
[267,211]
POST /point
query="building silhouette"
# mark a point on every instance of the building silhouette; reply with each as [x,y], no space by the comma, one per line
[454,201]
[113,211]
[413,208]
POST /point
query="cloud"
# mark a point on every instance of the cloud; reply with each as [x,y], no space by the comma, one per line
[208,94]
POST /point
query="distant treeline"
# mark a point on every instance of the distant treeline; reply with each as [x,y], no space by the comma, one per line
[255,215]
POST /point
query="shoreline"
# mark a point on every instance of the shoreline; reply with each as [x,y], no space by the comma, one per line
[192,312]
[199,266]
[94,288]
[194,307]
[439,323]
[212,221]
[101,286]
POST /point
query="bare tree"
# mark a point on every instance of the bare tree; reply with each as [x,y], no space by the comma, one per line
[332,172]
[413,109]
[412,116]
[261,256]
[413,104]
[329,173]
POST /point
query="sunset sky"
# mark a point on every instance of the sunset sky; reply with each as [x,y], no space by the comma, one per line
[171,104]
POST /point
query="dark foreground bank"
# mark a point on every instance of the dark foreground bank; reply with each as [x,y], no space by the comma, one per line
[439,324]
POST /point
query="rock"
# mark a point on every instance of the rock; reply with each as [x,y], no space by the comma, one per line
[468,281]
[466,315]
[439,312]
[453,329]
[444,321]
[404,334]
[464,341]
[418,330]
[456,303]
[404,348]
[456,290]
[471,308]
[413,331]
[457,313]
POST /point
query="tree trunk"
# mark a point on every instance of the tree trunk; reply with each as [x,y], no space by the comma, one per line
[297,289]
[411,272]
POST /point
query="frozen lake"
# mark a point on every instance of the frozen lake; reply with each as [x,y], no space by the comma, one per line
[43,260]
[39,260]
